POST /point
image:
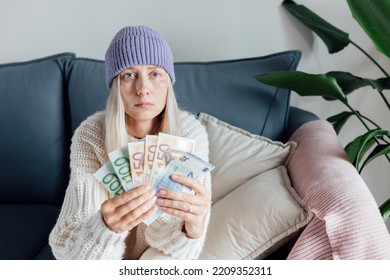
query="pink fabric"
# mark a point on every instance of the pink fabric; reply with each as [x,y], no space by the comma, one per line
[347,222]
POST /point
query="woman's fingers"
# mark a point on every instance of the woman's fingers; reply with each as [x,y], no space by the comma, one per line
[126,211]
[184,206]
[184,215]
[136,203]
[191,208]
[146,212]
[129,209]
[190,182]
[111,204]
[130,195]
[173,198]
[186,198]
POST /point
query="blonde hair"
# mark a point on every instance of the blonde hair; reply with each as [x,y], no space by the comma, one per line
[115,126]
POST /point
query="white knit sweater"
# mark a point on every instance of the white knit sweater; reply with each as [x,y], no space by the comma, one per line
[80,232]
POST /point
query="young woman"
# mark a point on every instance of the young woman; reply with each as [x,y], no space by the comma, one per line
[93,224]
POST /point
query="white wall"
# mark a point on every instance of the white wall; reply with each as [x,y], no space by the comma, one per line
[201,30]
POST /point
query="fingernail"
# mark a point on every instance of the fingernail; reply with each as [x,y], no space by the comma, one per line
[175,176]
[160,201]
[162,192]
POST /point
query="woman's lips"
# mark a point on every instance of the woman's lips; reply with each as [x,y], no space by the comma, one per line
[143,105]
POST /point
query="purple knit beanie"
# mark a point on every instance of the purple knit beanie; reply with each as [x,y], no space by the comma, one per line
[137,45]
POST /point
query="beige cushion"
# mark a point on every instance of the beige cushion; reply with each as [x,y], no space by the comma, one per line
[255,219]
[239,155]
[255,210]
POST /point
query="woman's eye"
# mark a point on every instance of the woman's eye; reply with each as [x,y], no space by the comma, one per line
[128,75]
[156,74]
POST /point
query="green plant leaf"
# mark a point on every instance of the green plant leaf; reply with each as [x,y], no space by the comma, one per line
[384,83]
[354,148]
[305,84]
[350,83]
[334,38]
[385,210]
[379,150]
[361,144]
[374,17]
[339,120]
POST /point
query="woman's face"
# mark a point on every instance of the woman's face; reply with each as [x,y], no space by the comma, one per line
[144,90]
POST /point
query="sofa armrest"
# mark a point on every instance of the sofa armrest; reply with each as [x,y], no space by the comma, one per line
[347,223]
[296,118]
[46,254]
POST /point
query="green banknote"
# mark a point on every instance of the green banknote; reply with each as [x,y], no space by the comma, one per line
[121,164]
[106,175]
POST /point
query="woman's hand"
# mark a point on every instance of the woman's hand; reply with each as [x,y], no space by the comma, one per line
[124,212]
[192,208]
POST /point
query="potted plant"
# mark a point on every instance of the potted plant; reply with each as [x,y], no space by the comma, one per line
[374,18]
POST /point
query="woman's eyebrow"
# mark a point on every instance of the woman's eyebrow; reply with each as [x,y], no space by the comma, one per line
[149,67]
[152,67]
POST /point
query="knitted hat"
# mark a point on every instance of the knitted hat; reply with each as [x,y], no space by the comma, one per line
[137,45]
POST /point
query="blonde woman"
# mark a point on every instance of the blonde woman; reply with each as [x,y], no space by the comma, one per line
[93,224]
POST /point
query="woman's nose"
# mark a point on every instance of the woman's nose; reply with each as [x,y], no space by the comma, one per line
[142,85]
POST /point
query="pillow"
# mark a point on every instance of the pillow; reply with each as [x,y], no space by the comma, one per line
[239,155]
[256,218]
[255,209]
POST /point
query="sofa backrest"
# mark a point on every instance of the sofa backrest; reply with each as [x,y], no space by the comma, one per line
[87,90]
[226,89]
[43,101]
[34,142]
[229,91]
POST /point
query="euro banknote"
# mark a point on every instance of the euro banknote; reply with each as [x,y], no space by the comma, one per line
[150,150]
[106,175]
[169,147]
[136,157]
[188,165]
[152,161]
[121,164]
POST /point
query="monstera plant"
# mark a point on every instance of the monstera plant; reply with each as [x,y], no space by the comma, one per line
[374,18]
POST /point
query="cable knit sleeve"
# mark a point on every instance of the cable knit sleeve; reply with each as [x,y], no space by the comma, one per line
[165,233]
[80,232]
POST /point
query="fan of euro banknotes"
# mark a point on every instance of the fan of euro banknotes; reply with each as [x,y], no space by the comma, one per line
[152,161]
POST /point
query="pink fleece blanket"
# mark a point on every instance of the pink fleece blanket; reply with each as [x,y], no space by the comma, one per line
[347,222]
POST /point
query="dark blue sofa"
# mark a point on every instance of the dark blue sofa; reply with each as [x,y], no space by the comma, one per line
[43,101]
